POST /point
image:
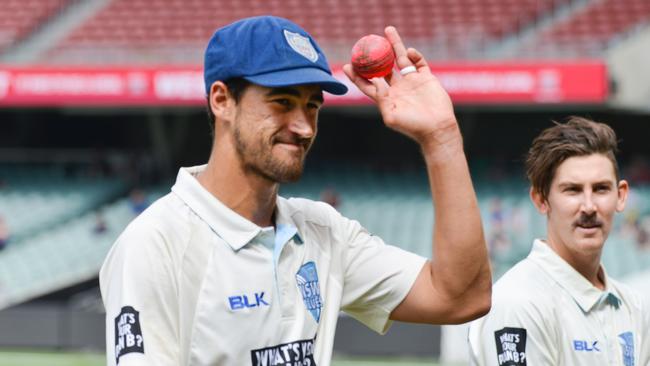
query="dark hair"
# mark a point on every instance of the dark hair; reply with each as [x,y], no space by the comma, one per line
[236,88]
[577,137]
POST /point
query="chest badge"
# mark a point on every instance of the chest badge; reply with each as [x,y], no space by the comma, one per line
[307,281]
[627,346]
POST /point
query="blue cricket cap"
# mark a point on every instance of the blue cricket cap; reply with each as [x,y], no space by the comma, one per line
[267,51]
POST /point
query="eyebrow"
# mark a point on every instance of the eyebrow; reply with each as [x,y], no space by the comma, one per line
[573,184]
[318,97]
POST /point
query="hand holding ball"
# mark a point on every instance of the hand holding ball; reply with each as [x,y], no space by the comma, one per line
[373,57]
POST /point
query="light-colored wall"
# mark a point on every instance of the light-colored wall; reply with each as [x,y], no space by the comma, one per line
[640,282]
[629,67]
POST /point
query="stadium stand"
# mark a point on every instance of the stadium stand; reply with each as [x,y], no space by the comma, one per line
[174,32]
[19,18]
[59,257]
[63,255]
[35,199]
[587,31]
[136,31]
[393,204]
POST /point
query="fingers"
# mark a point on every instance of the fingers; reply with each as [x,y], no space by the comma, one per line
[401,58]
[367,87]
[418,60]
[404,57]
[393,77]
[375,88]
[381,89]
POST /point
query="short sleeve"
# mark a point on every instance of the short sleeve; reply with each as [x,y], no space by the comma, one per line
[377,276]
[139,292]
[645,329]
[513,333]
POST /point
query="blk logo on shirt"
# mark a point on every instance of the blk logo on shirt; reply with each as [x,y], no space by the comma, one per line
[307,280]
[255,300]
[580,345]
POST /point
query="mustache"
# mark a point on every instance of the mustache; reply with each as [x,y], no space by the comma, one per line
[588,220]
[294,139]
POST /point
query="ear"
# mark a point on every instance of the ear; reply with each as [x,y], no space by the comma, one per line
[623,191]
[540,204]
[221,102]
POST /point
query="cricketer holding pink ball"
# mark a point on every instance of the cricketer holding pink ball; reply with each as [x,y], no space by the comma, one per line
[223,271]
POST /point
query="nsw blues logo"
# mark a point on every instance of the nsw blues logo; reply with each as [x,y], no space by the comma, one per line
[626,341]
[307,280]
[302,45]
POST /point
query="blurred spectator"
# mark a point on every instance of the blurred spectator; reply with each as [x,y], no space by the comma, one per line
[138,201]
[636,221]
[331,197]
[519,224]
[628,228]
[643,233]
[100,223]
[498,240]
[4,233]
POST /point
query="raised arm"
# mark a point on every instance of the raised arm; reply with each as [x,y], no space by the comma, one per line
[455,286]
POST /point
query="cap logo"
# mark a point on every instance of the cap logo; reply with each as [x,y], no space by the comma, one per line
[302,45]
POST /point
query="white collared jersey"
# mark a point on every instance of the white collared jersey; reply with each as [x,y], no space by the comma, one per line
[190,282]
[545,313]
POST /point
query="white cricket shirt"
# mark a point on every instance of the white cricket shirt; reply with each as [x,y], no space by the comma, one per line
[191,282]
[545,313]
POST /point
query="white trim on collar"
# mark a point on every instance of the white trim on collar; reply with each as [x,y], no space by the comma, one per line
[233,228]
[585,294]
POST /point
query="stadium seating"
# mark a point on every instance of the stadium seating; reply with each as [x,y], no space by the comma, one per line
[588,31]
[18,18]
[393,204]
[34,199]
[57,258]
[62,256]
[175,31]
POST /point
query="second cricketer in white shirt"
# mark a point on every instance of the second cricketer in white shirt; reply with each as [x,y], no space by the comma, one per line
[546,313]
[558,307]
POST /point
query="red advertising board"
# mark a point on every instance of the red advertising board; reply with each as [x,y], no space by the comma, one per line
[467,83]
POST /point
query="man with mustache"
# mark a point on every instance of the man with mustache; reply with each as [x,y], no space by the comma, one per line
[558,307]
[223,271]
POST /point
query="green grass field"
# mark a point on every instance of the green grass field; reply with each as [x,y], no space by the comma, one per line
[38,358]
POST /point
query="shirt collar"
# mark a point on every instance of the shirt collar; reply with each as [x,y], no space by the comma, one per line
[236,230]
[584,293]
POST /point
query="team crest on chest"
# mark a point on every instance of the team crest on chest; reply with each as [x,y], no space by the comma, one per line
[627,347]
[302,45]
[307,281]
